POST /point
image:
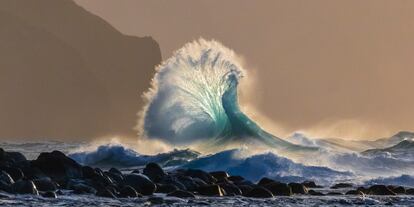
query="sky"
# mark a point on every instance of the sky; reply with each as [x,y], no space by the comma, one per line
[327,68]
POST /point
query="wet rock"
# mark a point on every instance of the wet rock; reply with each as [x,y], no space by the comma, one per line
[11,157]
[128,192]
[115,171]
[219,175]
[49,194]
[265,181]
[156,200]
[5,178]
[380,190]
[279,189]
[410,191]
[80,187]
[259,192]
[298,188]
[342,185]
[397,189]
[45,184]
[334,193]
[236,178]
[24,187]
[181,194]
[89,172]
[58,166]
[140,183]
[105,193]
[206,177]
[354,192]
[166,188]
[245,189]
[170,179]
[315,193]
[310,184]
[189,183]
[117,178]
[14,172]
[230,189]
[154,172]
[210,190]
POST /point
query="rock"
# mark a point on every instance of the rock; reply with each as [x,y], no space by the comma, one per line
[210,190]
[166,188]
[279,189]
[310,184]
[117,178]
[334,193]
[80,187]
[397,189]
[245,189]
[154,171]
[342,185]
[45,184]
[89,172]
[170,179]
[14,172]
[58,166]
[236,178]
[181,194]
[156,200]
[354,192]
[49,194]
[128,192]
[24,187]
[105,193]
[188,182]
[380,190]
[206,177]
[298,188]
[410,191]
[140,183]
[315,193]
[259,192]
[265,181]
[6,178]
[115,171]
[219,175]
[11,157]
[230,189]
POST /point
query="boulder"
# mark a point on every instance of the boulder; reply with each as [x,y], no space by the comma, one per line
[236,178]
[166,188]
[230,189]
[334,193]
[315,193]
[310,184]
[265,181]
[24,187]
[104,192]
[380,190]
[154,171]
[219,175]
[58,166]
[115,171]
[259,192]
[189,183]
[210,190]
[80,187]
[117,178]
[279,189]
[49,194]
[89,172]
[245,189]
[181,194]
[11,157]
[410,191]
[14,172]
[128,192]
[206,177]
[397,189]
[354,192]
[141,183]
[5,178]
[298,188]
[342,185]
[45,184]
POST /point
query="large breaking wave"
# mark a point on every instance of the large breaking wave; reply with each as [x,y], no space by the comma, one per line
[194,98]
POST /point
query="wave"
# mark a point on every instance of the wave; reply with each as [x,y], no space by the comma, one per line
[403,180]
[194,98]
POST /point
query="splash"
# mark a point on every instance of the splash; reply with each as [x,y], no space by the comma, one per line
[194,98]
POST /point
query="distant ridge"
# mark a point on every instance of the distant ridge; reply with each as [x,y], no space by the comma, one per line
[66,73]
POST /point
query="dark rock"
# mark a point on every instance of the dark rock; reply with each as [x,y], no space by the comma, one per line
[89,172]
[170,179]
[279,189]
[11,157]
[154,171]
[105,193]
[315,193]
[236,178]
[140,183]
[265,181]
[166,188]
[259,192]
[298,188]
[397,189]
[334,193]
[128,192]
[14,172]
[230,189]
[380,190]
[181,194]
[310,184]
[362,189]
[6,178]
[354,192]
[189,183]
[136,171]
[80,187]
[49,194]
[206,177]
[58,166]
[342,185]
[45,184]
[156,200]
[410,191]
[115,171]
[210,190]
[117,178]
[219,175]
[245,189]
[24,187]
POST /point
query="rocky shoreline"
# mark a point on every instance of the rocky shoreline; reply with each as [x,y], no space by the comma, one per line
[53,172]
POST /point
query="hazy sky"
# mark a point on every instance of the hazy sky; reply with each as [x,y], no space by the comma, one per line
[330,68]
